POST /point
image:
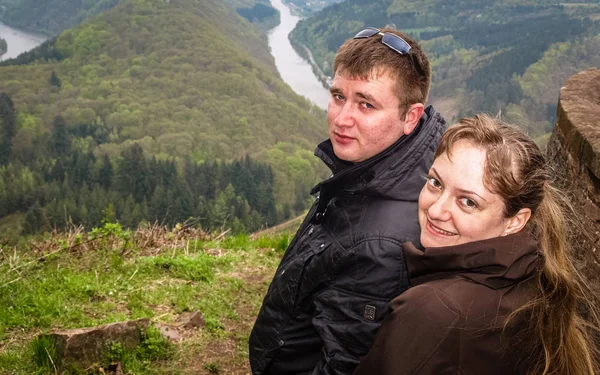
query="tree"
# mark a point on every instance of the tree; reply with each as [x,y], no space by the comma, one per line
[9,127]
[34,219]
[54,80]
[60,137]
[105,174]
[133,174]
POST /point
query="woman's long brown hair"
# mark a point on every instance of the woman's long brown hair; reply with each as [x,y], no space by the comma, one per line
[565,314]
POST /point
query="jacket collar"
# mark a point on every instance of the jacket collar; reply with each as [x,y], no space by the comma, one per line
[380,174]
[496,262]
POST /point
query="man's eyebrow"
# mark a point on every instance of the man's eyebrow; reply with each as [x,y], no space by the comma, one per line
[367,97]
[334,90]
[463,191]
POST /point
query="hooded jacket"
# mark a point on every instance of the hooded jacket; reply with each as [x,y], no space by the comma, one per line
[345,264]
[451,321]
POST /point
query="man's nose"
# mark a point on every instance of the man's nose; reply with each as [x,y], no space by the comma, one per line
[346,116]
[440,208]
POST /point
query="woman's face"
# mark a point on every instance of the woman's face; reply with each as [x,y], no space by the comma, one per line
[454,205]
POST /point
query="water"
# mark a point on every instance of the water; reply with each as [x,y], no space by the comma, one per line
[294,70]
[19,41]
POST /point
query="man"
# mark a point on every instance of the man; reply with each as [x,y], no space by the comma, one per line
[345,264]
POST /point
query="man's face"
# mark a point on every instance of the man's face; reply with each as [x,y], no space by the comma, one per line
[364,116]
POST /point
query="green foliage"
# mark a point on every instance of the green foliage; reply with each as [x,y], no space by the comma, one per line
[115,353]
[54,80]
[52,16]
[480,51]
[200,267]
[79,286]
[153,346]
[212,367]
[157,125]
[44,353]
[278,243]
[263,14]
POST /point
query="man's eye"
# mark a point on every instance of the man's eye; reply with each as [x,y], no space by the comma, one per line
[469,203]
[433,182]
[367,105]
[338,97]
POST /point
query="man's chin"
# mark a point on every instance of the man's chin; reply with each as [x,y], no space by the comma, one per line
[343,154]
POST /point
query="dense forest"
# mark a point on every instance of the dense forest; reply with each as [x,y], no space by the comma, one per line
[54,16]
[50,17]
[486,55]
[261,13]
[306,8]
[155,91]
[72,185]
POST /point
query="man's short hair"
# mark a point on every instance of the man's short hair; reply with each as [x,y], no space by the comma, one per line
[368,57]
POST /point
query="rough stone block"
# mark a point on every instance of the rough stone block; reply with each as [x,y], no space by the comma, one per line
[85,347]
[191,320]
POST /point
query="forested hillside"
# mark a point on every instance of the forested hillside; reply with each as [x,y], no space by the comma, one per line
[509,56]
[151,111]
[50,16]
[54,16]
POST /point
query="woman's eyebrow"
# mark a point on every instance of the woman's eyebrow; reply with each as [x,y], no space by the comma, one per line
[461,190]
[466,191]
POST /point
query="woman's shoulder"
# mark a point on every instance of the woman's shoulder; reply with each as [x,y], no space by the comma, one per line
[432,301]
[471,303]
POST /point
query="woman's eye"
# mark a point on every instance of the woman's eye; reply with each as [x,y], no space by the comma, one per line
[469,203]
[433,182]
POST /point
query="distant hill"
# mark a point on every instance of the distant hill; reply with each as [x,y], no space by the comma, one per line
[509,56]
[50,16]
[55,16]
[186,83]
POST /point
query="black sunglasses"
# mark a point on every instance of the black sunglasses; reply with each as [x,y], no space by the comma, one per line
[394,42]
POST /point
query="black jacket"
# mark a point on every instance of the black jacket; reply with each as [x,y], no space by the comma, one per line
[452,321]
[345,264]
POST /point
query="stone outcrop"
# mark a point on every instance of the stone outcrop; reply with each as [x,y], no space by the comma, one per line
[85,347]
[574,149]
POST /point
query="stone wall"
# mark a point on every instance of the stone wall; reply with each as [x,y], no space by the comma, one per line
[574,150]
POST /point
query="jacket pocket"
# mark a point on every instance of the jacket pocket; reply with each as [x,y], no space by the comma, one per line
[302,276]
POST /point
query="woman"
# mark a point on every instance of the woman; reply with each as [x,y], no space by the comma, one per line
[495,290]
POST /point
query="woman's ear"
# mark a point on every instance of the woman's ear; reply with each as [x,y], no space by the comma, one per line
[517,222]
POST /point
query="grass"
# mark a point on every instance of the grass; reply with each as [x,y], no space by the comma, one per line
[82,279]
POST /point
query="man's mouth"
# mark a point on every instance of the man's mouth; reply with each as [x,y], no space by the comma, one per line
[342,138]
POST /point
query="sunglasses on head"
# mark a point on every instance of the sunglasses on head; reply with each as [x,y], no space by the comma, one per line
[392,41]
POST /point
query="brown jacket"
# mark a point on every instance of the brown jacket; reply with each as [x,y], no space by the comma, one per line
[451,320]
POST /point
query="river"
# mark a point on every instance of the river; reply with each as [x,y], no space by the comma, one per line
[294,70]
[19,41]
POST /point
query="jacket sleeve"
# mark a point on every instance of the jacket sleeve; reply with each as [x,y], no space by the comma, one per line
[420,336]
[350,310]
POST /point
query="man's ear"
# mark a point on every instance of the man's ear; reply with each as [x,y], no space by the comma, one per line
[517,222]
[412,117]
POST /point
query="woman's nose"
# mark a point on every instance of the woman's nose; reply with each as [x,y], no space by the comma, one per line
[440,209]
